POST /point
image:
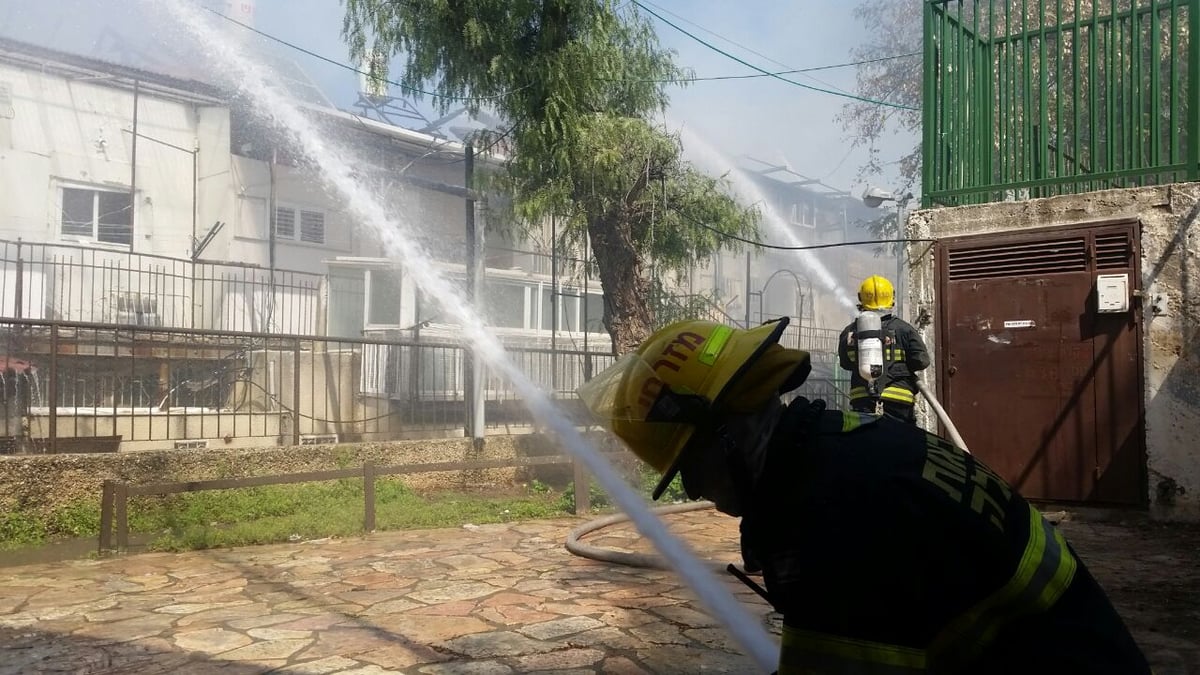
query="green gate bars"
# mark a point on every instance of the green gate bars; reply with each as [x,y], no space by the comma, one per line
[1035,98]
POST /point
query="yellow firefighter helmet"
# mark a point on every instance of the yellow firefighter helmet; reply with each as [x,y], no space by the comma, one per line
[688,374]
[876,293]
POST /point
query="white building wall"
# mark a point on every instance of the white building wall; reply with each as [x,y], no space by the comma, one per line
[76,131]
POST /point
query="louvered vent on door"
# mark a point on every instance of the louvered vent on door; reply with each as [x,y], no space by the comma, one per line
[1114,251]
[1019,260]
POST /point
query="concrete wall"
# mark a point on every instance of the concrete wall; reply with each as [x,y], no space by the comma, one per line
[42,483]
[1171,316]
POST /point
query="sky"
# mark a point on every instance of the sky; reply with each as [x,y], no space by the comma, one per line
[762,117]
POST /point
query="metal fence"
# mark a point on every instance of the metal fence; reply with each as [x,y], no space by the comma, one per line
[73,386]
[64,282]
[1034,98]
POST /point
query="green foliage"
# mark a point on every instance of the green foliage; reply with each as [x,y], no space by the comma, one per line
[18,528]
[77,519]
[674,492]
[597,498]
[579,82]
[895,27]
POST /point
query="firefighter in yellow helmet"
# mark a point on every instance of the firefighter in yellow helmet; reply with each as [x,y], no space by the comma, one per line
[886,548]
[904,355]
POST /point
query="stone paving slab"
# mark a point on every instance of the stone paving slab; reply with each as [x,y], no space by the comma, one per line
[489,599]
[484,600]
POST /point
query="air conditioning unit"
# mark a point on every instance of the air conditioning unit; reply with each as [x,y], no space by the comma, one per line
[135,309]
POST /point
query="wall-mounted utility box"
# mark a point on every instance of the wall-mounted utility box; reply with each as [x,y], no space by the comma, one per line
[1112,293]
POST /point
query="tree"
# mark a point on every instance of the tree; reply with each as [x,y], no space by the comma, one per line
[578,82]
[896,28]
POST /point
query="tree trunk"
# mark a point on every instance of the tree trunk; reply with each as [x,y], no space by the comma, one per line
[627,313]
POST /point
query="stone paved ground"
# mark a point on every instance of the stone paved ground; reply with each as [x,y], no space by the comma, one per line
[477,600]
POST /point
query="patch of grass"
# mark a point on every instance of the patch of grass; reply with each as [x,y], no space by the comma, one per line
[601,502]
[333,509]
[277,513]
[19,529]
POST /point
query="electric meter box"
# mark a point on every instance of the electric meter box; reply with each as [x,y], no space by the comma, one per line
[1112,293]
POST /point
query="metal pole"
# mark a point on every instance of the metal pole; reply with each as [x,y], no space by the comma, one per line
[587,272]
[473,368]
[133,167]
[195,218]
[296,392]
[272,239]
[746,295]
[899,259]
[553,304]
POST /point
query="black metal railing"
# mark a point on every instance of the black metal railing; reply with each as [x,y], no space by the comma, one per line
[66,282]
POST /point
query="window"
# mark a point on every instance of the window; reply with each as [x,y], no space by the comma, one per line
[504,304]
[595,313]
[311,227]
[347,288]
[383,298]
[97,214]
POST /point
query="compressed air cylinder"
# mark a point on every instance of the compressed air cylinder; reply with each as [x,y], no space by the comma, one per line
[868,333]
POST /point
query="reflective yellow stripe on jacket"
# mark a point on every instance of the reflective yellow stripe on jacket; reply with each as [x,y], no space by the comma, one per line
[891,393]
[807,653]
[1046,570]
[889,354]
[1043,575]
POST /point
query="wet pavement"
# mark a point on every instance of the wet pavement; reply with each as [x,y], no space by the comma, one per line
[497,599]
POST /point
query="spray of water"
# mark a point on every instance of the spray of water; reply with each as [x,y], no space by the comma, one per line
[256,82]
[747,192]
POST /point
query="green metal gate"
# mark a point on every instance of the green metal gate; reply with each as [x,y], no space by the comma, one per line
[1034,98]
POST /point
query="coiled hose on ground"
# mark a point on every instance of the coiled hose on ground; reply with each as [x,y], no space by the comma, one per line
[577,547]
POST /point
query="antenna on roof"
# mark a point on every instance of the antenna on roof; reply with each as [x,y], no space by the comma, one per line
[374,101]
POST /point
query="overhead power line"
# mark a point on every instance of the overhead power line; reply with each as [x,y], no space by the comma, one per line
[739,45]
[709,78]
[339,64]
[768,73]
[792,71]
[810,247]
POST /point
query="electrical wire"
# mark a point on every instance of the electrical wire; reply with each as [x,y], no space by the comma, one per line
[773,60]
[297,413]
[709,78]
[768,73]
[326,59]
[810,247]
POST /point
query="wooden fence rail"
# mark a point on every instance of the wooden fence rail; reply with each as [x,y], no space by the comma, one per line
[114,499]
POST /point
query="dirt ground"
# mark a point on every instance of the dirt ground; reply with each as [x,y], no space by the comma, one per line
[1151,572]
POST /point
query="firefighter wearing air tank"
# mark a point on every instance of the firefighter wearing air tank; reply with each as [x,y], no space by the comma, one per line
[886,548]
[883,354]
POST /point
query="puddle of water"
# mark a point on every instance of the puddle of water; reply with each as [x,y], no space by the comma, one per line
[60,550]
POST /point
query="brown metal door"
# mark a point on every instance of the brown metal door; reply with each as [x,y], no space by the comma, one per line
[1043,388]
